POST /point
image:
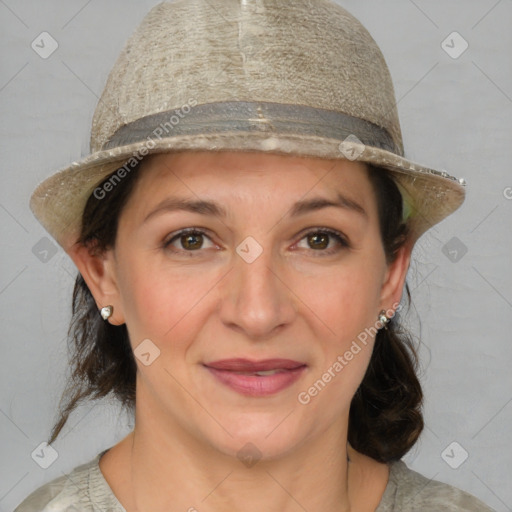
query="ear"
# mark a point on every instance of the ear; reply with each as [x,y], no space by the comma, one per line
[99,272]
[394,280]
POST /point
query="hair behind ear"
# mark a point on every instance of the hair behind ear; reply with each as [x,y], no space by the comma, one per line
[101,356]
[385,414]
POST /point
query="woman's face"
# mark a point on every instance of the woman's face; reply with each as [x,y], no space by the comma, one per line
[262,276]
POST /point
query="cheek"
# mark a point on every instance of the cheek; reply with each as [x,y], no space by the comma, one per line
[347,306]
[345,299]
[344,303]
[159,304]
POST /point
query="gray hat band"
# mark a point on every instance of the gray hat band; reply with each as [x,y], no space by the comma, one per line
[243,116]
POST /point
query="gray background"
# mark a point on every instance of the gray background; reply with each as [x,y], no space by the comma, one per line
[455,115]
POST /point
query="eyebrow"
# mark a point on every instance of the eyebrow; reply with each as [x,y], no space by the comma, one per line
[212,208]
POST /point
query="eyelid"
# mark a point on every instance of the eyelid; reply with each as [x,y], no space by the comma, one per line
[322,229]
[342,239]
[185,231]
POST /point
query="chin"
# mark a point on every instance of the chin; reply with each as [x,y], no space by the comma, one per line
[258,436]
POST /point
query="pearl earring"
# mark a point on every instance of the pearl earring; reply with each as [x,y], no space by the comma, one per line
[106,312]
[383,319]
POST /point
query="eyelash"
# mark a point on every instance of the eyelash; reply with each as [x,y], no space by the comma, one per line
[340,238]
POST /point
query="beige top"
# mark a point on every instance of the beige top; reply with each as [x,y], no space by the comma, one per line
[86,490]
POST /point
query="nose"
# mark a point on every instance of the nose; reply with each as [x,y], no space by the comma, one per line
[256,299]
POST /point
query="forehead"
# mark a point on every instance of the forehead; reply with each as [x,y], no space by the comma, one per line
[250,173]
[247,186]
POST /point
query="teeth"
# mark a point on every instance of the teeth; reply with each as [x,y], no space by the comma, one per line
[262,373]
[267,372]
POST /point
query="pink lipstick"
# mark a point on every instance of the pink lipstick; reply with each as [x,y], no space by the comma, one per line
[257,378]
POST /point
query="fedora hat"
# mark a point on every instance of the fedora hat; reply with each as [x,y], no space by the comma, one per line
[303,78]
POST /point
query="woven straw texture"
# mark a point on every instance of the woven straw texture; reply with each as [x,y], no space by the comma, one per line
[218,54]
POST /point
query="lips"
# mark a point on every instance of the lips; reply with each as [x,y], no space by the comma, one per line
[246,366]
[256,378]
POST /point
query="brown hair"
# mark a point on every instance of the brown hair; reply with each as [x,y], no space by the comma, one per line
[385,414]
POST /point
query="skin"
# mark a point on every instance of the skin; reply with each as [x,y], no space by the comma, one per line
[294,301]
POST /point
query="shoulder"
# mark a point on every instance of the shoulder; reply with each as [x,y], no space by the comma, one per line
[82,490]
[409,490]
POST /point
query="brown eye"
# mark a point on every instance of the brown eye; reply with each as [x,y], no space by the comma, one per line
[192,241]
[188,240]
[320,239]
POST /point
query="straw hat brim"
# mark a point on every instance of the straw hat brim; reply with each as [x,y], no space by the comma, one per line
[58,202]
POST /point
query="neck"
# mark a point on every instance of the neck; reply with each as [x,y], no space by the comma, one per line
[197,477]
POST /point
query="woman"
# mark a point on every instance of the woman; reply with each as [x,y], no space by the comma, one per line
[243,230]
